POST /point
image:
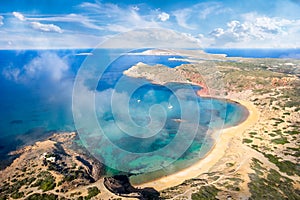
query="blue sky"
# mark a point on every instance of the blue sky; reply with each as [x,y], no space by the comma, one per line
[85,24]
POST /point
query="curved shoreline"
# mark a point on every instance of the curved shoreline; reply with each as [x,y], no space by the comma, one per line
[213,156]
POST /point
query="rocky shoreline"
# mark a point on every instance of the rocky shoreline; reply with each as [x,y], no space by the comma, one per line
[55,164]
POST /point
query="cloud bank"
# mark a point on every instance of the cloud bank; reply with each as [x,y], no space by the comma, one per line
[213,24]
[255,29]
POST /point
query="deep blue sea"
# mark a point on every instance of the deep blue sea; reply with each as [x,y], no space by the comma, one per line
[36,91]
[36,100]
[257,53]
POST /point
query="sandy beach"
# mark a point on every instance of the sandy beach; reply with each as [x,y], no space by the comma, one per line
[212,157]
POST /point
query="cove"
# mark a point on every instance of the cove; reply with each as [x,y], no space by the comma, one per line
[151,130]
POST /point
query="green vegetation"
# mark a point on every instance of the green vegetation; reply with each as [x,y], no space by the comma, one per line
[248,75]
[206,193]
[232,187]
[232,183]
[256,166]
[252,133]
[294,149]
[277,121]
[6,189]
[75,174]
[44,196]
[3,197]
[246,140]
[285,166]
[282,140]
[293,94]
[293,132]
[17,195]
[291,104]
[278,132]
[272,134]
[273,186]
[92,191]
[45,182]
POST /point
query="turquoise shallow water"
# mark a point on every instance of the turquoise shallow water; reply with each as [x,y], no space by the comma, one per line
[143,128]
[156,125]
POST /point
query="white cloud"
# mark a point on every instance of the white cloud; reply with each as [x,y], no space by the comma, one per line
[47,63]
[253,28]
[120,19]
[163,16]
[1,20]
[37,25]
[46,27]
[76,18]
[107,9]
[34,40]
[129,20]
[182,16]
[135,20]
[19,16]
[108,18]
[98,20]
[218,32]
[118,28]
[45,66]
[206,9]
[152,37]
[186,17]
[205,41]
[47,71]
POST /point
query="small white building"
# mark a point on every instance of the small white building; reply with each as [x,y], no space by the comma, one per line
[50,159]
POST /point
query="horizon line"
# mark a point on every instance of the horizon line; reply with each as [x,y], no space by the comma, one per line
[90,48]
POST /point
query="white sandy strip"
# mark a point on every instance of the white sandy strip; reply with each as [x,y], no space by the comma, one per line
[212,157]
